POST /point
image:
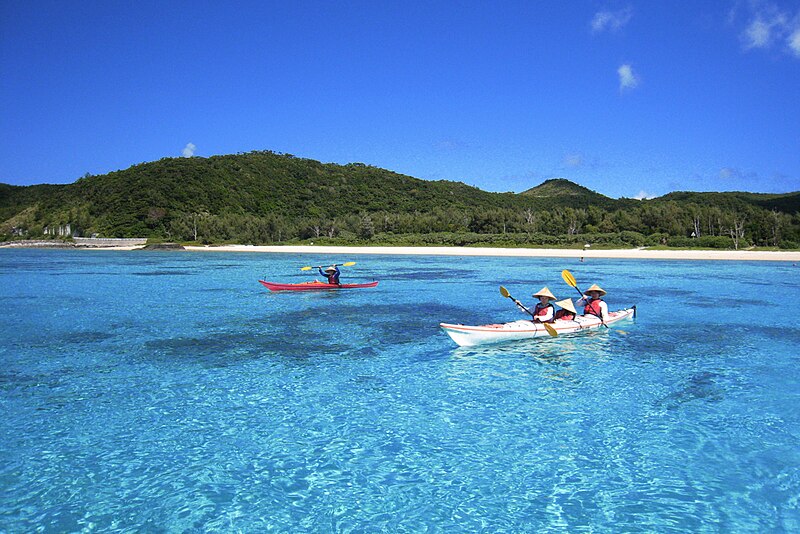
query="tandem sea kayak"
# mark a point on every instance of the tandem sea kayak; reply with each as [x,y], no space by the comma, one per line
[470,336]
[316,285]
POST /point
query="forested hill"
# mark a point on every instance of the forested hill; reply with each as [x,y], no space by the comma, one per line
[264,197]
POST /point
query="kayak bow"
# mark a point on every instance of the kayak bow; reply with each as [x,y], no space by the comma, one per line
[313,286]
[470,336]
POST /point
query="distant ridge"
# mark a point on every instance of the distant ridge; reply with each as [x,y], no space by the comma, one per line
[561,188]
[555,187]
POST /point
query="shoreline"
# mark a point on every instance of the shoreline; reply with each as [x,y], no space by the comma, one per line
[631,254]
[634,254]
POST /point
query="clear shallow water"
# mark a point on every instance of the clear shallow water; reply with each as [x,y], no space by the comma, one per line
[166,391]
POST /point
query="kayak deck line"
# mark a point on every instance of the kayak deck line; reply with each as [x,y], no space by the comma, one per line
[469,335]
[316,285]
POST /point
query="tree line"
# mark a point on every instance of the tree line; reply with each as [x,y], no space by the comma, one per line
[667,224]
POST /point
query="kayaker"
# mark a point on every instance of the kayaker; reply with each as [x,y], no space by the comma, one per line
[593,303]
[332,273]
[543,311]
[567,311]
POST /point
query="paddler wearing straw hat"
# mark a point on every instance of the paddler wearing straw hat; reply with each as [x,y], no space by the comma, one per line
[593,303]
[567,311]
[332,273]
[543,311]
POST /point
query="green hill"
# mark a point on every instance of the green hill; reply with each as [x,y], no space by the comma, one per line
[264,197]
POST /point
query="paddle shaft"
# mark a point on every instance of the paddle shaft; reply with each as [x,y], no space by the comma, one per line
[570,280]
[346,264]
[549,328]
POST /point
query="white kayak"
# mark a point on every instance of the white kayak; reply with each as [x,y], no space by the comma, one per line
[469,336]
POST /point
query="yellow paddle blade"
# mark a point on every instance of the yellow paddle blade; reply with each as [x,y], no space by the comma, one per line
[504,292]
[348,264]
[568,278]
[550,330]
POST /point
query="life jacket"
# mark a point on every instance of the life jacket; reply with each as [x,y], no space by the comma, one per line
[564,314]
[593,308]
[333,279]
[540,310]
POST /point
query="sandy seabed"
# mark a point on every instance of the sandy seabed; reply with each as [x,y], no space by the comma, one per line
[633,254]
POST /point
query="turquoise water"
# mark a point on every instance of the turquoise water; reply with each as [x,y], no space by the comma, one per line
[169,391]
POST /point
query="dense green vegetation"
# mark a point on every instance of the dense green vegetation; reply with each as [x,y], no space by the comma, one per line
[264,197]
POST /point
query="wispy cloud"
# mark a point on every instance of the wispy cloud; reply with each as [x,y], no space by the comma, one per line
[794,42]
[573,160]
[767,25]
[450,144]
[732,174]
[188,150]
[627,77]
[726,173]
[643,195]
[758,34]
[611,20]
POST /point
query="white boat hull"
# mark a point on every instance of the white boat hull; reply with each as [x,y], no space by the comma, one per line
[470,336]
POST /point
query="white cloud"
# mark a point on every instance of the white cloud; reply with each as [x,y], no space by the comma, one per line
[188,150]
[627,78]
[757,34]
[794,42]
[611,20]
[767,24]
[643,195]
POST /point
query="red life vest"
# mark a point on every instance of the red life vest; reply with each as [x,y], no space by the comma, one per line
[564,314]
[541,311]
[593,308]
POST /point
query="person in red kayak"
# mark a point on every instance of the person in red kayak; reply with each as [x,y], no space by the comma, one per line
[567,311]
[593,303]
[332,273]
[543,311]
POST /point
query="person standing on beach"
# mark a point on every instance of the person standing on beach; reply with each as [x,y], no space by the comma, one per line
[332,274]
[593,303]
[543,311]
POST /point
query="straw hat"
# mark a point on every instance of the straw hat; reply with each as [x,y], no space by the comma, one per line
[330,269]
[567,305]
[544,292]
[595,287]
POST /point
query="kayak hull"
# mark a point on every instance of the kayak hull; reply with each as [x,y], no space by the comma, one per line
[470,336]
[313,286]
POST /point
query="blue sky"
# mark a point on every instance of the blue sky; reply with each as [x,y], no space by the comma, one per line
[627,98]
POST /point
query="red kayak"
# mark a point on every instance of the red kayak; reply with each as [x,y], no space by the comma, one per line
[312,286]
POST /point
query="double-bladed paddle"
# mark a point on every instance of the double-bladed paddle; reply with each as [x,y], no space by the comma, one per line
[308,268]
[549,328]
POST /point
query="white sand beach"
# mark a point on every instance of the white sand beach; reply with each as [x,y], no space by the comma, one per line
[587,254]
[634,254]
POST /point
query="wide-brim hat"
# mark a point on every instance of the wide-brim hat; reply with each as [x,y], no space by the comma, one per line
[330,269]
[595,287]
[567,305]
[544,292]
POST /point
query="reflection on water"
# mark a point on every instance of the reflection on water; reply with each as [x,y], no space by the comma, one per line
[547,357]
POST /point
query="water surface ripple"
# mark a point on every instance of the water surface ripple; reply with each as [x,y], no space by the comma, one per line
[150,391]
